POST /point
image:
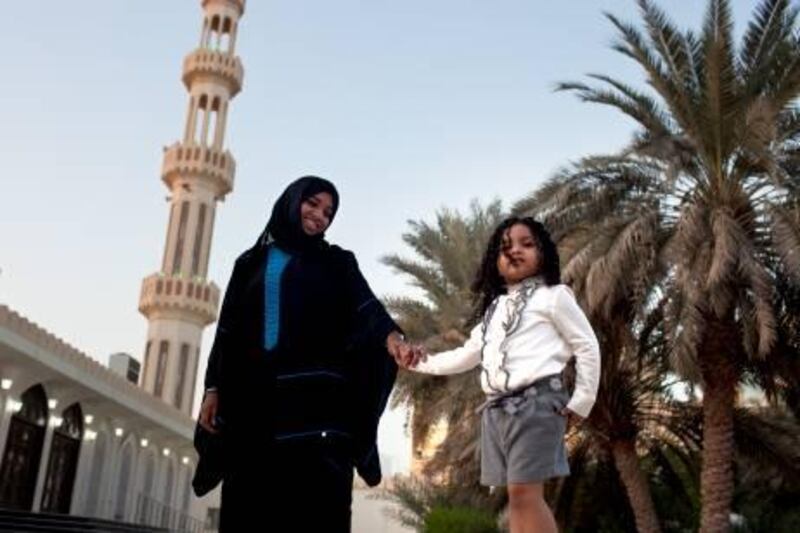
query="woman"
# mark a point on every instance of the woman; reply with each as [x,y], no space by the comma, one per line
[298,374]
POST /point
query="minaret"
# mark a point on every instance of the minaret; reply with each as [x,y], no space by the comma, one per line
[179,300]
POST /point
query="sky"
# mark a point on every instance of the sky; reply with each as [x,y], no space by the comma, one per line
[408,106]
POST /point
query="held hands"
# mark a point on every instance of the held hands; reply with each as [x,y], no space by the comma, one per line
[208,411]
[406,355]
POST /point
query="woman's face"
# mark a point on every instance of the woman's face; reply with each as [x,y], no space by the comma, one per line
[316,212]
[519,256]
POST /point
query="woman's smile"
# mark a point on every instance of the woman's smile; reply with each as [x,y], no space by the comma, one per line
[313,225]
[316,213]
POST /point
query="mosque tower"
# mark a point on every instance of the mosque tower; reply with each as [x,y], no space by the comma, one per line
[179,300]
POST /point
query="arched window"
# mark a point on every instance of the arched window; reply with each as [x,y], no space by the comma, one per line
[198,240]
[147,362]
[62,464]
[180,238]
[23,450]
[183,363]
[34,406]
[72,422]
[161,368]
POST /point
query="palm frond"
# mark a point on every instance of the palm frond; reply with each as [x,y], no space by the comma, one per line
[675,51]
[760,287]
[720,89]
[786,236]
[722,271]
[771,23]
[633,45]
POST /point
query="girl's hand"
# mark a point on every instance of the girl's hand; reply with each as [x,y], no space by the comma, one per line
[406,355]
[208,411]
[573,418]
[418,355]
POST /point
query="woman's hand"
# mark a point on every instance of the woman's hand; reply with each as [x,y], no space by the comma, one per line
[208,411]
[406,355]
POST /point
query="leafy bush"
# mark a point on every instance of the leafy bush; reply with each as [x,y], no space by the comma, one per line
[459,520]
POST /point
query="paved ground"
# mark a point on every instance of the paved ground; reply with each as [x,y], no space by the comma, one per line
[369,516]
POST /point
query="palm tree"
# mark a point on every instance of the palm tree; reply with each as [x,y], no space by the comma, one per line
[635,414]
[634,409]
[448,254]
[701,206]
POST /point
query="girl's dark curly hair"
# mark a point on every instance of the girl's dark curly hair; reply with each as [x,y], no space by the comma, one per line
[488,284]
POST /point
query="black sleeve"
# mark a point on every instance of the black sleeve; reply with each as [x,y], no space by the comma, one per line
[372,321]
[223,339]
[374,372]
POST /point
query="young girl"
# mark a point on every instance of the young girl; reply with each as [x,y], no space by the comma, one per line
[530,327]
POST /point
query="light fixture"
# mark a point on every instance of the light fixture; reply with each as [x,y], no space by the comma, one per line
[185,460]
[57,421]
[118,432]
[52,403]
[6,383]
[144,443]
[88,419]
[91,435]
[15,406]
[166,452]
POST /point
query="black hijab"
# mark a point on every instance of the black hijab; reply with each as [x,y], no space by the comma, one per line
[285,226]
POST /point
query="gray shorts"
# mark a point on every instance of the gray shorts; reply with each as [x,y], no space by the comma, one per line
[522,435]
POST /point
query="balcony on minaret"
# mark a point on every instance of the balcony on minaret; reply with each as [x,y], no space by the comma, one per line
[178,297]
[214,64]
[217,167]
[238,4]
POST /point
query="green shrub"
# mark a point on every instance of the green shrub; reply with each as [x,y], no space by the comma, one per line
[459,520]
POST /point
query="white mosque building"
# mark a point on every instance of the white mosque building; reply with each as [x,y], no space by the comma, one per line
[79,438]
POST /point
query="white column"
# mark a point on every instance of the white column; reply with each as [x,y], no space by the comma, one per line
[110,473]
[222,119]
[172,232]
[43,460]
[234,32]
[82,473]
[187,134]
[219,34]
[204,32]
[211,212]
[206,115]
[132,489]
[5,421]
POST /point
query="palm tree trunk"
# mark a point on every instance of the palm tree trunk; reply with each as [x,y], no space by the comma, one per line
[716,476]
[636,486]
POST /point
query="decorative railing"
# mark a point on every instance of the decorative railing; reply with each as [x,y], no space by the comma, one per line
[163,292]
[205,62]
[187,160]
[152,512]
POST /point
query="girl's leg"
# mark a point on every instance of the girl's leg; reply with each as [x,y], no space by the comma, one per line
[528,512]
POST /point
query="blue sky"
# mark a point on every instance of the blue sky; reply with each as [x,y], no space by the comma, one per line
[407,106]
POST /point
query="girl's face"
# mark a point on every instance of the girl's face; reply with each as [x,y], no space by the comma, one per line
[519,256]
[316,212]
